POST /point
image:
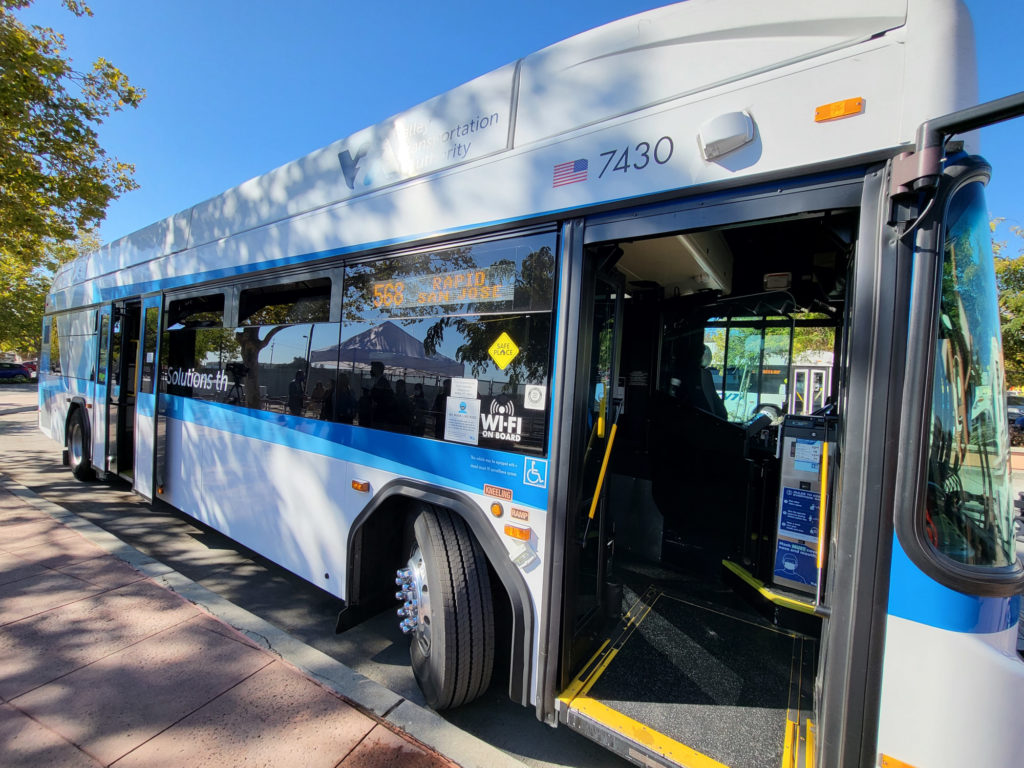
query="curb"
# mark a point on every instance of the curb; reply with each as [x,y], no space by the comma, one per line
[422,724]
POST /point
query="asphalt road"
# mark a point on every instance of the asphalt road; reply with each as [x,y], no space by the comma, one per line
[375,648]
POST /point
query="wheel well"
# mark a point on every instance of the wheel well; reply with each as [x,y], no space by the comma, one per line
[76,406]
[377,546]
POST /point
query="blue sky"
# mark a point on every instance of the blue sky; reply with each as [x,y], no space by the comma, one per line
[236,89]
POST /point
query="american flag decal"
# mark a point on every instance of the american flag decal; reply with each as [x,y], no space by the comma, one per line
[570,173]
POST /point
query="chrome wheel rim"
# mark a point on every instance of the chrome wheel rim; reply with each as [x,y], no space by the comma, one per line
[421,591]
[76,447]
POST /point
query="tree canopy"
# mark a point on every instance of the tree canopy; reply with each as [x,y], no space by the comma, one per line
[56,181]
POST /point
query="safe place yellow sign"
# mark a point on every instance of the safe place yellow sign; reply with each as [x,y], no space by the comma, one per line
[503,350]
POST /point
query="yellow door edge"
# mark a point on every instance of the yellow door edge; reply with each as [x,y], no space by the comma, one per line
[642,735]
[765,592]
[790,748]
[596,666]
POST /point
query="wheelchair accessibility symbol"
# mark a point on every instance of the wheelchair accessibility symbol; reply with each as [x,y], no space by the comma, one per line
[535,473]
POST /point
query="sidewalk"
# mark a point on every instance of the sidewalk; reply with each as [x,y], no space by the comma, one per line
[101,665]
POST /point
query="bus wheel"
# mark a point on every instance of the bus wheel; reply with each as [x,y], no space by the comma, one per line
[448,610]
[78,448]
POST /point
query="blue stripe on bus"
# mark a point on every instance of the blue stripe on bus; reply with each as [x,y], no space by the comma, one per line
[916,597]
[145,404]
[464,467]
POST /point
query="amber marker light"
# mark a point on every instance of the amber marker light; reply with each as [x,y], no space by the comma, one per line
[515,532]
[496,509]
[838,109]
[361,485]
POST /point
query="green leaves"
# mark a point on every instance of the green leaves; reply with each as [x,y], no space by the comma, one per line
[1010,281]
[56,181]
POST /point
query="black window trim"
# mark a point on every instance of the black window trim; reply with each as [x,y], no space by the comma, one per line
[172,296]
[333,273]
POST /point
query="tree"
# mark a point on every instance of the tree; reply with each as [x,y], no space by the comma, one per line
[23,290]
[55,179]
[1010,281]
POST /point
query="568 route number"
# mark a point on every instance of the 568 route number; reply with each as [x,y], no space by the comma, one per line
[638,157]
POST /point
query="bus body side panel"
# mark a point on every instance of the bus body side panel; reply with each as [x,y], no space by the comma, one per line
[951,663]
[67,371]
[282,485]
[48,387]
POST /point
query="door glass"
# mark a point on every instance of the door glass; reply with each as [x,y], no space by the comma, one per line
[115,353]
[104,348]
[800,393]
[589,531]
[152,328]
[969,511]
[818,392]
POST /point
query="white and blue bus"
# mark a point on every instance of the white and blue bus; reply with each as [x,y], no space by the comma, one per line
[467,345]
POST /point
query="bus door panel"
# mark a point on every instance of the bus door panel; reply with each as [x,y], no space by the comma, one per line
[99,404]
[145,404]
[590,543]
[799,397]
[122,366]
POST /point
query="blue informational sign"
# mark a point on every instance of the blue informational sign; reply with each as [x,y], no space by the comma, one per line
[796,562]
[799,513]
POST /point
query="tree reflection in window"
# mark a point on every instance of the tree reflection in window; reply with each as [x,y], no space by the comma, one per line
[968,515]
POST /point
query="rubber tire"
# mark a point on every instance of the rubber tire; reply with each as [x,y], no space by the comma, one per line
[82,470]
[457,667]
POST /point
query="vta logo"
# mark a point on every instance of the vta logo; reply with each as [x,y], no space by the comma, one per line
[350,165]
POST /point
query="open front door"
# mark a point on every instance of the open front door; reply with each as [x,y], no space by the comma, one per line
[591,543]
[145,403]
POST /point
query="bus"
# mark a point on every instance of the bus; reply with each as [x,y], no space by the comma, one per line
[460,360]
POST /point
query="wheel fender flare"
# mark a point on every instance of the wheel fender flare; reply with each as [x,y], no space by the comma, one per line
[497,556]
[78,404]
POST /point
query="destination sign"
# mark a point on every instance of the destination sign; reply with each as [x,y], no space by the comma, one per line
[474,286]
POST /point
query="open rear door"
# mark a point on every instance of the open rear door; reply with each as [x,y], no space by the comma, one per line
[99,404]
[145,404]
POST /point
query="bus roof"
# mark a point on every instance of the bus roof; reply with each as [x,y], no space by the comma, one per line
[653,83]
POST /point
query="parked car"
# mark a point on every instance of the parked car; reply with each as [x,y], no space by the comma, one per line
[14,372]
[1014,407]
[31,365]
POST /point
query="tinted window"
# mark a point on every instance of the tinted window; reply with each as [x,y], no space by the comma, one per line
[264,366]
[149,335]
[453,344]
[969,514]
[299,302]
[196,312]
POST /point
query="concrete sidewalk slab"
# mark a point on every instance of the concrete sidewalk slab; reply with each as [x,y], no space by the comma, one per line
[101,663]
[49,645]
[273,717]
[27,744]
[115,705]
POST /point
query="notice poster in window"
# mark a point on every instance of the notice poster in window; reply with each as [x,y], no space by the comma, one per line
[796,565]
[798,514]
[464,388]
[462,420]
